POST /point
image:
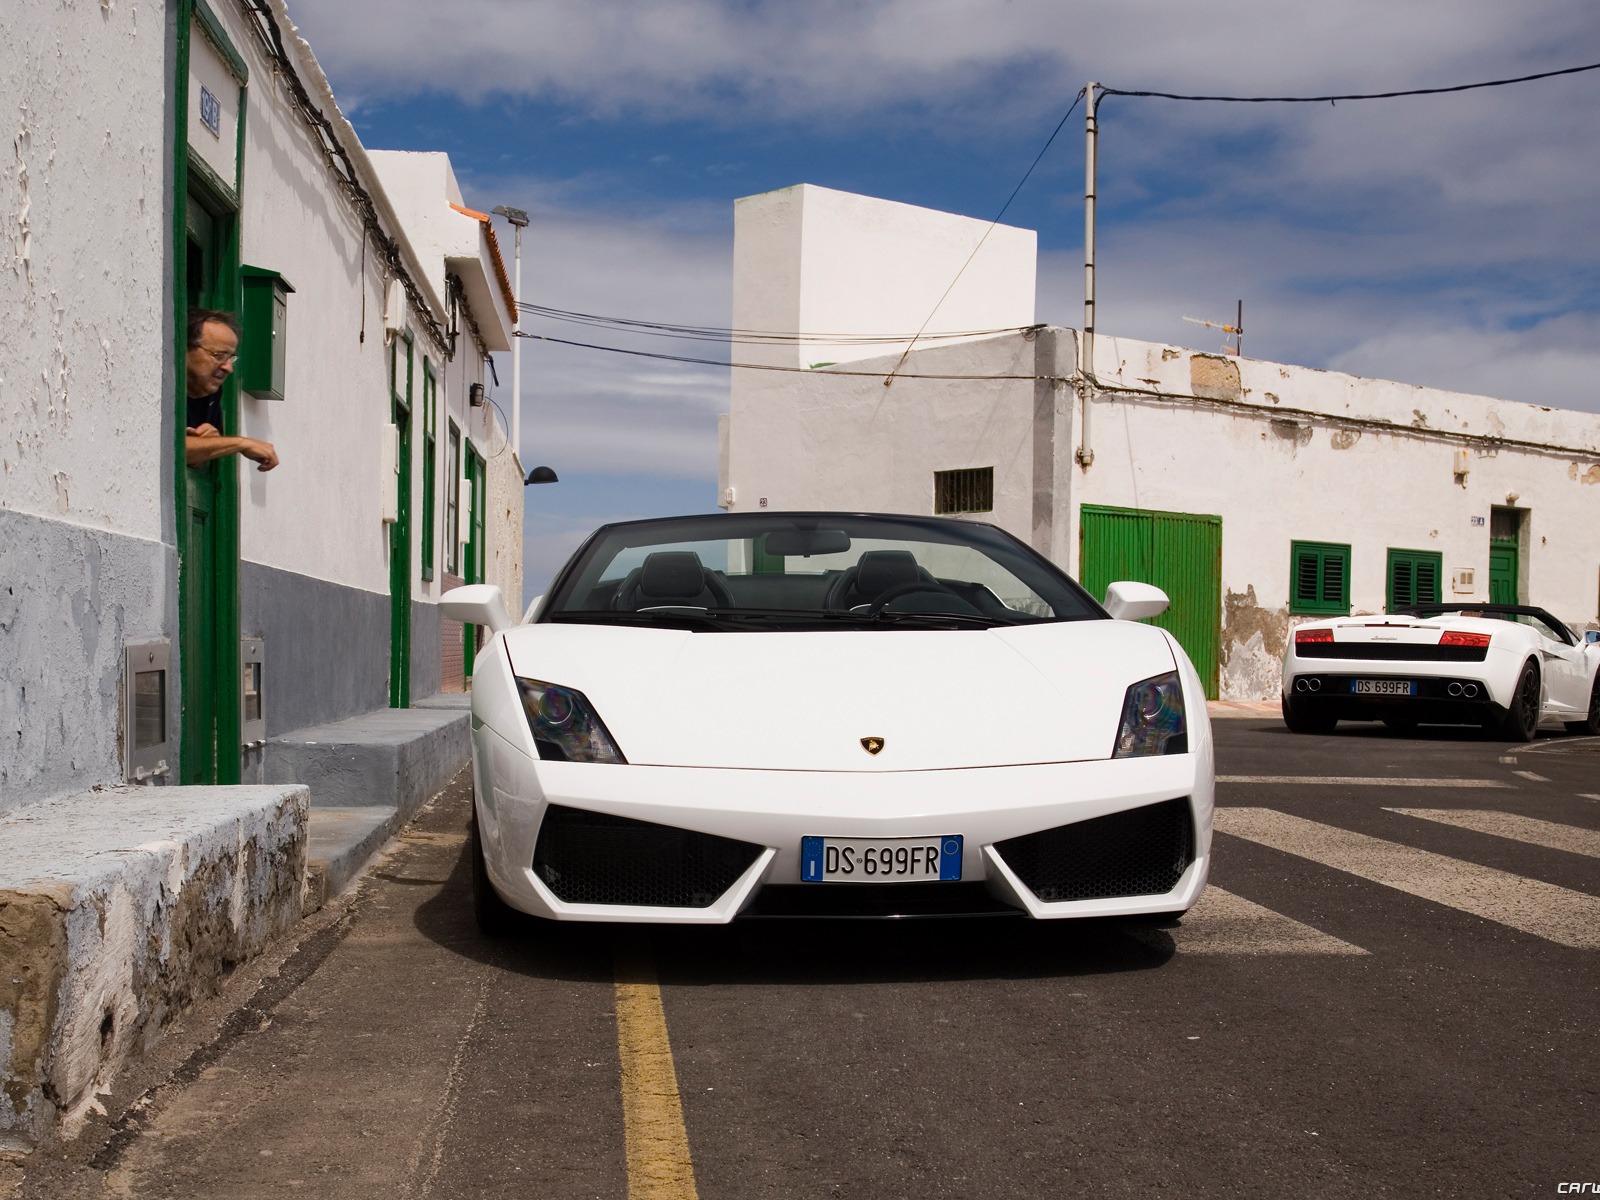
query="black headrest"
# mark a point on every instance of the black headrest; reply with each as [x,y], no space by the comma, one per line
[880,570]
[672,573]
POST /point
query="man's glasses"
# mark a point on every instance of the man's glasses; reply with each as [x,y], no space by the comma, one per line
[222,357]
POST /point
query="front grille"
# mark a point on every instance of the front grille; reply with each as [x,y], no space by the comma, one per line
[593,858]
[1392,651]
[1140,852]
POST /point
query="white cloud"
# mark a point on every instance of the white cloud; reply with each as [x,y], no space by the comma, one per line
[832,57]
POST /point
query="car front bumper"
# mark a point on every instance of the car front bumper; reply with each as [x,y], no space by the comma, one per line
[771,811]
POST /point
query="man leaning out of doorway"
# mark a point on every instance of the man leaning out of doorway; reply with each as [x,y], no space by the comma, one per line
[213,349]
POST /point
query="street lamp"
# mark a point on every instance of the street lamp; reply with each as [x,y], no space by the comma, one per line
[540,475]
[519,220]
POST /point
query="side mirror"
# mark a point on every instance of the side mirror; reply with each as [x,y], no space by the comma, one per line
[1591,637]
[476,604]
[1128,601]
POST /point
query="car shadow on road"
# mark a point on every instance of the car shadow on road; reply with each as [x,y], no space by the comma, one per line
[794,951]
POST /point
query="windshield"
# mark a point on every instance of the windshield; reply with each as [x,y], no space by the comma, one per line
[783,570]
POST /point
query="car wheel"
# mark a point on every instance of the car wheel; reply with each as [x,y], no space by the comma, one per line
[1299,720]
[495,917]
[1521,721]
[1591,724]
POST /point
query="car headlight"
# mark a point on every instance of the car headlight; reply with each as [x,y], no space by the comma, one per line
[1153,720]
[565,726]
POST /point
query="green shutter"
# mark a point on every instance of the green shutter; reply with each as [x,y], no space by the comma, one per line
[1413,578]
[1319,576]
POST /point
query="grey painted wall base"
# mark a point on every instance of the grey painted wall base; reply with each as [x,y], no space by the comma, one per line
[326,646]
[390,757]
[71,598]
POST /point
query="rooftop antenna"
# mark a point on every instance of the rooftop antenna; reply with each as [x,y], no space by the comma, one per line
[1233,335]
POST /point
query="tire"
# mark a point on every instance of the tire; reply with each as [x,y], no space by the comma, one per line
[1590,726]
[495,917]
[1521,721]
[1299,720]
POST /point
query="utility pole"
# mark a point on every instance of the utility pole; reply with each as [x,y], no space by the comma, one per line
[519,221]
[1085,455]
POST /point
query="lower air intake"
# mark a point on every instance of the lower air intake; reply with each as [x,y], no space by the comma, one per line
[1140,852]
[592,858]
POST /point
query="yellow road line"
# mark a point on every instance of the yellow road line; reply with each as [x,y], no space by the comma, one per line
[659,1166]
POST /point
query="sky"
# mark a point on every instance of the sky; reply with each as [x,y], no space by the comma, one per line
[1451,241]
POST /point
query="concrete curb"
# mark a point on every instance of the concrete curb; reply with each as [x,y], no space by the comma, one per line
[118,908]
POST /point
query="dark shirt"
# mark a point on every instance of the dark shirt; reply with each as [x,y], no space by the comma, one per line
[205,410]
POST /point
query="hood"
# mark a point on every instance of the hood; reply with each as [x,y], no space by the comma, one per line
[939,699]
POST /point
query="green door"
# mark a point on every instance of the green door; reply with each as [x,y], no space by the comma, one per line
[1180,553]
[1502,571]
[209,545]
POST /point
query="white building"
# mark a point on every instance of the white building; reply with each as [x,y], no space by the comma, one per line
[193,154]
[1256,493]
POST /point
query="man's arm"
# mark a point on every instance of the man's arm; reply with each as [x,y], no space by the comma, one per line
[199,448]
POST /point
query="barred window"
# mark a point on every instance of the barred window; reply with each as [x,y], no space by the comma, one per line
[966,491]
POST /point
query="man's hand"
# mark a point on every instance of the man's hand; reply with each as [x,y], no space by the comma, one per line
[262,453]
[201,447]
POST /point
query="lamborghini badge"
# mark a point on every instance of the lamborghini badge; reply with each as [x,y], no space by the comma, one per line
[872,744]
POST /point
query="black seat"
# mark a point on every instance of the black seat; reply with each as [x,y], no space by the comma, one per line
[876,573]
[672,579]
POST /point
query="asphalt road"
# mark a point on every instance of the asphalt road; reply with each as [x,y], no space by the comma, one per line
[1391,989]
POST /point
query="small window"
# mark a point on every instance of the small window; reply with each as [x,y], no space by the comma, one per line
[452,500]
[1413,577]
[1319,578]
[967,491]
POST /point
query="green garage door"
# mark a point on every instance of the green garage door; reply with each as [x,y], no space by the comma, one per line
[1180,553]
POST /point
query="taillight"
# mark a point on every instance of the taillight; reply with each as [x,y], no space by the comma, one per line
[1303,637]
[1453,637]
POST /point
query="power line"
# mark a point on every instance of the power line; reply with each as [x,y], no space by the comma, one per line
[745,366]
[711,333]
[1460,87]
[890,377]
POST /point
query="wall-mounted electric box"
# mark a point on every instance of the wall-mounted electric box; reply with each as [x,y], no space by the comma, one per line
[252,702]
[148,746]
[263,345]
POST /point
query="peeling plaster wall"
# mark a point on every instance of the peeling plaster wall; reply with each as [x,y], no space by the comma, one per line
[119,909]
[82,265]
[86,527]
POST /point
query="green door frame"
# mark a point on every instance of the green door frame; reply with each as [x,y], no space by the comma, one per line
[472,566]
[1505,557]
[205,211]
[400,529]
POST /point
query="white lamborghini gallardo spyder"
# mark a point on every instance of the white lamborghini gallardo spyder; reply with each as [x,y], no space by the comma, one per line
[739,715]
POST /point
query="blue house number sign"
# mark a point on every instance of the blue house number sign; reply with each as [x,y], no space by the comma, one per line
[210,111]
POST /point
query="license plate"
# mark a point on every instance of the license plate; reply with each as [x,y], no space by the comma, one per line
[1385,687]
[880,860]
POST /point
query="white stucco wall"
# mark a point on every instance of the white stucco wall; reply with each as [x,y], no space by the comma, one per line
[320,512]
[824,262]
[1281,453]
[83,226]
